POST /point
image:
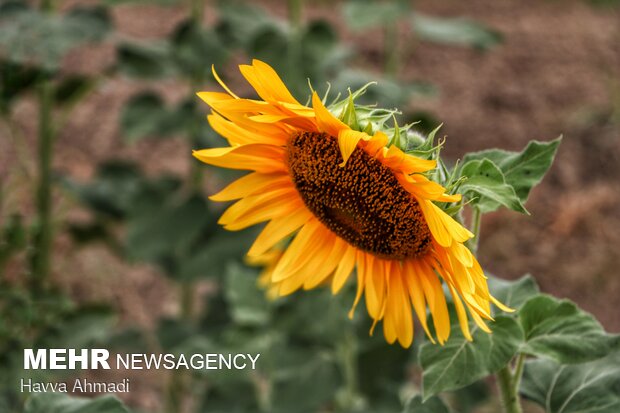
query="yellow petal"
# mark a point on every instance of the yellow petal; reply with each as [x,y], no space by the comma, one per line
[360,260]
[256,156]
[347,141]
[217,78]
[327,122]
[278,229]
[266,82]
[416,293]
[435,298]
[251,184]
[461,314]
[396,159]
[344,269]
[299,251]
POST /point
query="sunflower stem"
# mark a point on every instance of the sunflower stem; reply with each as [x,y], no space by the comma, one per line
[475,229]
[518,373]
[506,385]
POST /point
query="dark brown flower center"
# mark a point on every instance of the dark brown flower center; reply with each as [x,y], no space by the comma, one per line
[362,202]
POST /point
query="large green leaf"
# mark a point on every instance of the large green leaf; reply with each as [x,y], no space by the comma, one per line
[513,293]
[15,79]
[454,31]
[460,362]
[145,61]
[431,405]
[486,187]
[592,387]
[160,233]
[560,330]
[248,303]
[522,170]
[196,49]
[34,37]
[112,192]
[146,115]
[364,14]
[61,403]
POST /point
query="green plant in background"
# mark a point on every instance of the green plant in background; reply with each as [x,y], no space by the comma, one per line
[313,358]
[33,43]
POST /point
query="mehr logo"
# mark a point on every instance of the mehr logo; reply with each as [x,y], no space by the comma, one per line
[63,359]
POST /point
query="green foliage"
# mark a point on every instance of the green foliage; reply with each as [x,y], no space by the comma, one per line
[454,31]
[560,330]
[556,331]
[487,188]
[460,362]
[592,387]
[513,293]
[431,405]
[366,14]
[34,37]
[521,170]
[61,403]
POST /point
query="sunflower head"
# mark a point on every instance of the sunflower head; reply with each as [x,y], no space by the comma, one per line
[342,193]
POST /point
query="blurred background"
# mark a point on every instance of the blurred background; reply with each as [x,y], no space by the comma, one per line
[106,235]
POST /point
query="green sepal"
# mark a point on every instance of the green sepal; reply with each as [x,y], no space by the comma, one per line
[348,115]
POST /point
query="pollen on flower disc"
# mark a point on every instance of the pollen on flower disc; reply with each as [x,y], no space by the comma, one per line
[362,202]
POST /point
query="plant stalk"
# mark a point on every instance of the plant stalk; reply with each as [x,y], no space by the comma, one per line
[475,229]
[43,236]
[510,398]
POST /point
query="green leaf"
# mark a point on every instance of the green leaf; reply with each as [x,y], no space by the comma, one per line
[363,14]
[34,37]
[15,79]
[150,61]
[211,257]
[239,22]
[460,362]
[560,330]
[248,303]
[592,387]
[431,405]
[454,31]
[195,49]
[72,88]
[61,403]
[513,293]
[522,170]
[486,187]
[146,115]
[159,233]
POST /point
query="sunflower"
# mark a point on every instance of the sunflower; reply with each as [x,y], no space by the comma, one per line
[349,203]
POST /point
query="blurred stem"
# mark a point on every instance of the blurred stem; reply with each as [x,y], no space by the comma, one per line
[392,59]
[475,229]
[295,10]
[43,235]
[187,300]
[197,11]
[348,358]
[294,13]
